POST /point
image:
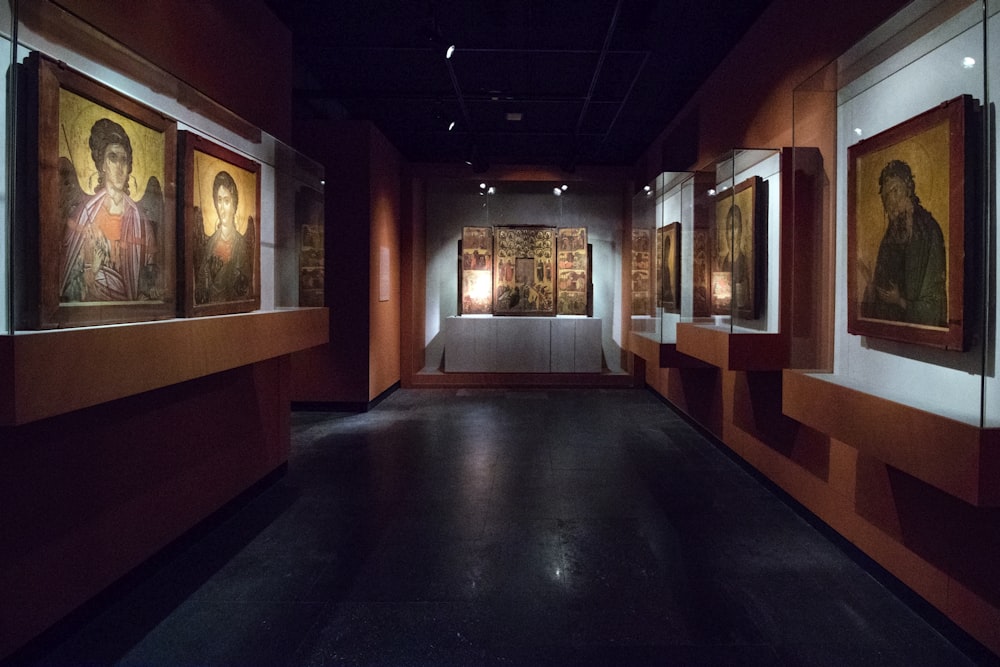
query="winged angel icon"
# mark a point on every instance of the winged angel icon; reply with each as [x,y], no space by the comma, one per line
[109,250]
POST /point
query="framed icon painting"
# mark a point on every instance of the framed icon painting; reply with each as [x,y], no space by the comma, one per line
[738,260]
[574,271]
[668,267]
[476,271]
[310,227]
[908,194]
[98,191]
[524,271]
[642,304]
[221,223]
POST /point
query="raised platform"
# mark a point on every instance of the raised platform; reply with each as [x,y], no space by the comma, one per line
[485,344]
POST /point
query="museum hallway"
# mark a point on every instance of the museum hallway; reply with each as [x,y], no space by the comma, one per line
[499,527]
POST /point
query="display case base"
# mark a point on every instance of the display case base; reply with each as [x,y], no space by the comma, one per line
[737,350]
[957,457]
[665,355]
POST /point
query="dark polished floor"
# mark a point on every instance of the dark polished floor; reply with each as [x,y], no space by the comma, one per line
[491,527]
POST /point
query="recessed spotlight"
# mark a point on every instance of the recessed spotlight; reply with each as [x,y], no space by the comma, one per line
[968,62]
[565,187]
[482,186]
[858,131]
[557,192]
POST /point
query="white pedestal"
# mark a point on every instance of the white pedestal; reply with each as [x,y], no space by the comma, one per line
[476,344]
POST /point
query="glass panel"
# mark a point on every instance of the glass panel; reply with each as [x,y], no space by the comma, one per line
[299,238]
[642,289]
[813,178]
[8,49]
[991,203]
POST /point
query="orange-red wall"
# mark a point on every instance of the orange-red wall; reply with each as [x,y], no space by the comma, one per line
[237,53]
[384,343]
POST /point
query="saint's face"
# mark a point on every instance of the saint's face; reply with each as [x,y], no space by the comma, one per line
[115,168]
[731,232]
[895,197]
[225,206]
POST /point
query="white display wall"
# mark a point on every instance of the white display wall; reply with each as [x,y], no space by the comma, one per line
[935,67]
[454,204]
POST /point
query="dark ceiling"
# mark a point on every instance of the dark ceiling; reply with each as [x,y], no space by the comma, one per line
[536,82]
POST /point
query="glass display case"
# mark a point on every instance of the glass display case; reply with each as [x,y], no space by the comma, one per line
[749,220]
[584,219]
[93,83]
[671,244]
[902,121]
[283,171]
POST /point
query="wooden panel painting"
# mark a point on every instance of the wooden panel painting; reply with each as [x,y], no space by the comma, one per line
[642,303]
[668,267]
[312,266]
[907,195]
[574,273]
[104,200]
[221,229]
[524,271]
[738,260]
[700,303]
[477,271]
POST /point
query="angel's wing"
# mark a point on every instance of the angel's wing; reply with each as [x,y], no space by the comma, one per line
[70,192]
